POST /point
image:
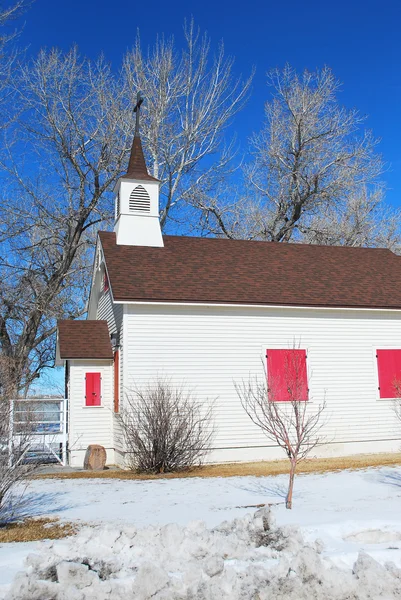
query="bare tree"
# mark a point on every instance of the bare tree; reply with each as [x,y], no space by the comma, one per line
[165,428]
[365,220]
[397,408]
[310,161]
[61,159]
[294,424]
[190,100]
[397,398]
[9,12]
[75,128]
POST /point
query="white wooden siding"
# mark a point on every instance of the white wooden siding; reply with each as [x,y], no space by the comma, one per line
[211,347]
[112,313]
[90,424]
[118,439]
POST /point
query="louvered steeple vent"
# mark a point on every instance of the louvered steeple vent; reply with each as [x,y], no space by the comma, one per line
[137,199]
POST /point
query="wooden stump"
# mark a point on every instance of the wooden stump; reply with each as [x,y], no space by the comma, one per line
[95,458]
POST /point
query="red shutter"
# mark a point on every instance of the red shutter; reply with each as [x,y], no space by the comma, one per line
[92,386]
[116,381]
[287,375]
[389,371]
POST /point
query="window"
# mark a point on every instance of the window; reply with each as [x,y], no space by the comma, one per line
[287,378]
[389,372]
[106,284]
[92,389]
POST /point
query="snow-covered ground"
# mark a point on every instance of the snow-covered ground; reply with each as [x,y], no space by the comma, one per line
[131,553]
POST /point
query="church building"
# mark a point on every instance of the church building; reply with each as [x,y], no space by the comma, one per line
[208,313]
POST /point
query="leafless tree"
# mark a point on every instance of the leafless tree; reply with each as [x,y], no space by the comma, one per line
[61,159]
[9,12]
[397,408]
[165,428]
[397,398]
[311,162]
[190,100]
[294,424]
[74,126]
[365,220]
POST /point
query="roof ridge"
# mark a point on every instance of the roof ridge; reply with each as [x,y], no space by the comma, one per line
[271,243]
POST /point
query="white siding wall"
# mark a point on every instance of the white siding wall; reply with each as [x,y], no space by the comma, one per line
[112,313]
[118,442]
[90,424]
[211,347]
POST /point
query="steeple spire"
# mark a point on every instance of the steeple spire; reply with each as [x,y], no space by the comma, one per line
[137,166]
[137,199]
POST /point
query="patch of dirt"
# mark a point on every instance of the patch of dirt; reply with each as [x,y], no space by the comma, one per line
[32,530]
[256,469]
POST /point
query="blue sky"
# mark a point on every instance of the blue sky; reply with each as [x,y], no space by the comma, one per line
[359,40]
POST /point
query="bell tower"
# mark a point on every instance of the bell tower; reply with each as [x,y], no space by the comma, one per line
[137,199]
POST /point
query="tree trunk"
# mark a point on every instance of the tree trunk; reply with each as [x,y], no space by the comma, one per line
[288,501]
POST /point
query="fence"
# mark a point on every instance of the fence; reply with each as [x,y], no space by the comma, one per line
[47,422]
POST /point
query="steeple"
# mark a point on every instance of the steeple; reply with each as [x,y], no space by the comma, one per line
[137,199]
[137,166]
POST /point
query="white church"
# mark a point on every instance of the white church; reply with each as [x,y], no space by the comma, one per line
[207,312]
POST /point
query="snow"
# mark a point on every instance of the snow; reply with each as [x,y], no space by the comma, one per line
[166,539]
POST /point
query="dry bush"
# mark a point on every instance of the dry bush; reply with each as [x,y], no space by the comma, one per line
[165,428]
[15,439]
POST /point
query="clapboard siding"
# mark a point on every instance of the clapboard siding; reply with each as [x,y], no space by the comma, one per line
[112,313]
[105,311]
[118,437]
[211,347]
[94,424]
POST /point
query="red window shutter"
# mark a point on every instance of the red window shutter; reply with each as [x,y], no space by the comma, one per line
[389,371]
[92,387]
[287,377]
[116,381]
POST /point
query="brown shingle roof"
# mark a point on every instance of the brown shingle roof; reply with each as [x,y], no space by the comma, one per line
[84,339]
[210,270]
[137,166]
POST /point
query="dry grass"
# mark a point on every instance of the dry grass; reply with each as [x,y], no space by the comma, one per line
[258,469]
[32,530]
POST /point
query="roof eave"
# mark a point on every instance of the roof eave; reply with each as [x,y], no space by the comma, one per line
[108,358]
[254,304]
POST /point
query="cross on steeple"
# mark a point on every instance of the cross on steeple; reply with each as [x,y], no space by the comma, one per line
[137,197]
[139,100]
[137,165]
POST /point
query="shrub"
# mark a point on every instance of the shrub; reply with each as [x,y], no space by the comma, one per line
[165,428]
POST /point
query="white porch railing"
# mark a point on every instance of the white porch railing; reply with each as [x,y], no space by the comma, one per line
[46,419]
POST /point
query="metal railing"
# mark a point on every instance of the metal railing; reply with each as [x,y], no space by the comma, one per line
[46,419]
